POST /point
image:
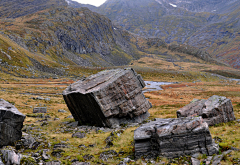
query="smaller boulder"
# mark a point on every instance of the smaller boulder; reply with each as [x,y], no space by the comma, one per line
[173,138]
[1,163]
[11,123]
[215,110]
[62,111]
[40,110]
[58,153]
[79,135]
[53,163]
[108,155]
[10,157]
[80,163]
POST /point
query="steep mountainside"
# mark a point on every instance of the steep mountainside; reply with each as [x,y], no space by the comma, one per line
[66,34]
[18,8]
[215,6]
[60,38]
[211,25]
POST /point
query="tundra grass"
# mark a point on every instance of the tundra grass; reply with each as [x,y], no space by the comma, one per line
[22,93]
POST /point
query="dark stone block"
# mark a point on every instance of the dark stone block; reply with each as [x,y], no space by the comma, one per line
[109,98]
[11,123]
[215,110]
[174,138]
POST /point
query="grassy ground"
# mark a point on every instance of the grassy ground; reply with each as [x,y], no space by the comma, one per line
[21,93]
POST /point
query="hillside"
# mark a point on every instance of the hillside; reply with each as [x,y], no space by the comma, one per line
[18,8]
[53,35]
[57,39]
[211,25]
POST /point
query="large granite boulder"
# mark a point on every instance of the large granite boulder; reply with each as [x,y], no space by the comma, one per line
[109,98]
[215,110]
[11,123]
[173,138]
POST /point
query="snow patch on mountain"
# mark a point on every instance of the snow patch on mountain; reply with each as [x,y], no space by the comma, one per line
[172,5]
[68,1]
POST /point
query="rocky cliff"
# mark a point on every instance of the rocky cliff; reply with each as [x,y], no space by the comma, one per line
[67,35]
[211,25]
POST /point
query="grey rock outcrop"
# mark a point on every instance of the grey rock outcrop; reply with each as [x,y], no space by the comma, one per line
[79,135]
[215,110]
[109,98]
[174,138]
[11,123]
[10,157]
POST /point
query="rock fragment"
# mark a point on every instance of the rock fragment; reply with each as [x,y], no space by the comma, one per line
[174,138]
[109,98]
[10,157]
[79,135]
[40,110]
[11,123]
[215,110]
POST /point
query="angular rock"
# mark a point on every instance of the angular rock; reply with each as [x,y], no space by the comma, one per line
[80,163]
[62,111]
[215,110]
[108,155]
[10,157]
[195,161]
[88,157]
[11,123]
[57,153]
[26,142]
[109,98]
[174,138]
[1,163]
[79,135]
[53,163]
[60,145]
[40,110]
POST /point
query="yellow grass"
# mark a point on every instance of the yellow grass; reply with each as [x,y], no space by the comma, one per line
[165,104]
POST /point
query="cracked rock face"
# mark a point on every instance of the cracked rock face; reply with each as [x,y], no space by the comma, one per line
[11,123]
[109,98]
[173,138]
[215,110]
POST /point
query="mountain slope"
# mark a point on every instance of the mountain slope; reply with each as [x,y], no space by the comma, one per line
[59,39]
[210,25]
[66,34]
[18,8]
[214,6]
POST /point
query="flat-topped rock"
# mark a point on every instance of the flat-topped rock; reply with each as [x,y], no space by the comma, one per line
[108,98]
[174,138]
[11,123]
[215,110]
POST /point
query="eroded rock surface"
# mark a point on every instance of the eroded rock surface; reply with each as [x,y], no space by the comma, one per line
[10,157]
[174,138]
[11,123]
[215,110]
[109,98]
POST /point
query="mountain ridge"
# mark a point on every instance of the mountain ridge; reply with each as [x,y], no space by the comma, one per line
[52,39]
[182,22]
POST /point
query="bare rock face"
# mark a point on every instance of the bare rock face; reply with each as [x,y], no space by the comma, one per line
[215,110]
[109,98]
[173,138]
[11,123]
